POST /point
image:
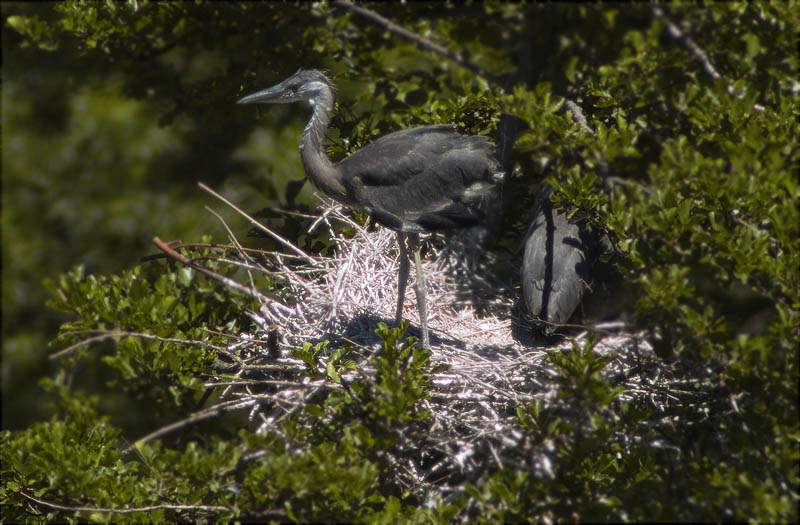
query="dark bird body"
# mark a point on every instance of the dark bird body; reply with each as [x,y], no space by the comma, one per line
[422,179]
[561,270]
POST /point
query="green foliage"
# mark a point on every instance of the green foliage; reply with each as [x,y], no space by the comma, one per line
[91,170]
[385,406]
[343,474]
[165,319]
[577,454]
[689,163]
[325,463]
[72,458]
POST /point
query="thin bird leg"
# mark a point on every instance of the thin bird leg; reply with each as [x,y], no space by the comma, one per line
[422,305]
[402,277]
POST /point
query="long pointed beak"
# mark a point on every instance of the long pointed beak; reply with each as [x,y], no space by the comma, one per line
[265,96]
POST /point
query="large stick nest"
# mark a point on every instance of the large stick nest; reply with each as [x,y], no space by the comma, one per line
[478,328]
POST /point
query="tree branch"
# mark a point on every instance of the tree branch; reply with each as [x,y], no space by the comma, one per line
[227,281]
[417,39]
[257,224]
[69,508]
[111,334]
[694,49]
[216,410]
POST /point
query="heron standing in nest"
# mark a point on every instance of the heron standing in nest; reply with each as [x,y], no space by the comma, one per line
[418,180]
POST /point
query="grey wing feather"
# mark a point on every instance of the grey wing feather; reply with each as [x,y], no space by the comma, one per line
[422,179]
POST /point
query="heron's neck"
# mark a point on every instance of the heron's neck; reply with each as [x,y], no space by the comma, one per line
[318,167]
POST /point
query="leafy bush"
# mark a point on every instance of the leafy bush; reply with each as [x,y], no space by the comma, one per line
[686,156]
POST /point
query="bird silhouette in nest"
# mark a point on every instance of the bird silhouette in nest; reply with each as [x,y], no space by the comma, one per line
[563,271]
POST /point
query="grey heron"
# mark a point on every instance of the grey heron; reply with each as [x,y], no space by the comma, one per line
[562,271]
[422,179]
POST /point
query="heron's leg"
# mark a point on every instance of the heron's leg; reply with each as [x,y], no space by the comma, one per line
[402,277]
[422,306]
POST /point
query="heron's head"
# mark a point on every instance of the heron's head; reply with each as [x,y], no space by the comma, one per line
[308,85]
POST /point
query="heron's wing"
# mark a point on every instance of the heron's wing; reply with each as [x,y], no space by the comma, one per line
[397,155]
[422,179]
